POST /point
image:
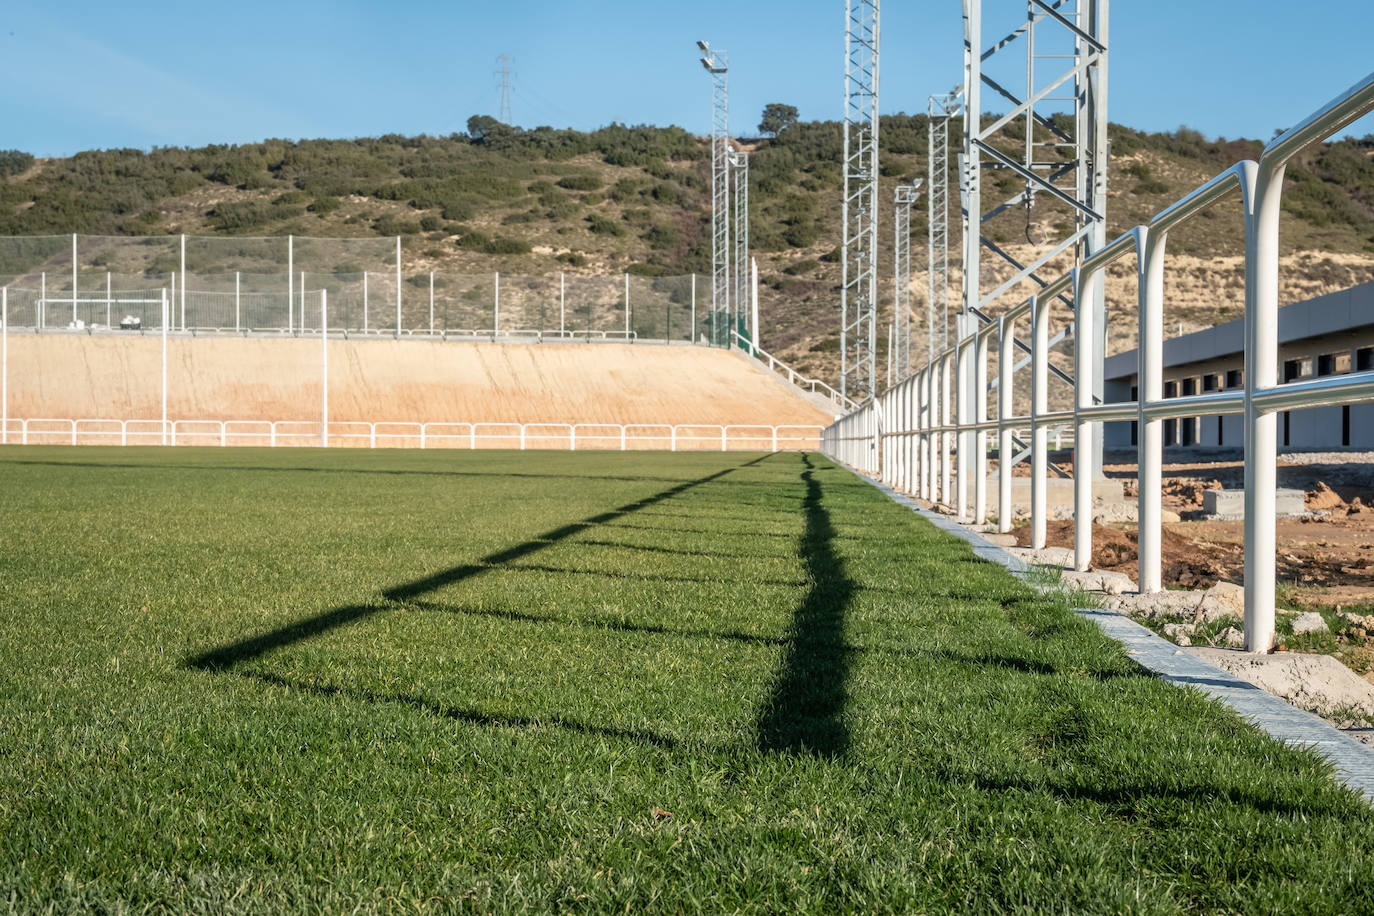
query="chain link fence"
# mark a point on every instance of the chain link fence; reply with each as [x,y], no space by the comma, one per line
[272,285]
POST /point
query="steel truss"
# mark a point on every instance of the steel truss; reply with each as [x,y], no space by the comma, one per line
[1053,140]
[941,109]
[859,252]
[739,164]
[716,63]
[904,197]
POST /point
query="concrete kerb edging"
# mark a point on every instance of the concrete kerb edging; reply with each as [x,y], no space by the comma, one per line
[1352,761]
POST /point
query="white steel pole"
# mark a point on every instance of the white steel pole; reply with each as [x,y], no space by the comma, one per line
[364,302]
[171,306]
[627,306]
[108,296]
[1006,365]
[4,365]
[1084,345]
[302,301]
[183,281]
[398,287]
[74,297]
[562,303]
[237,303]
[1150,433]
[42,299]
[1040,402]
[290,283]
[495,304]
[692,333]
[891,333]
[324,368]
[431,302]
[164,366]
[754,337]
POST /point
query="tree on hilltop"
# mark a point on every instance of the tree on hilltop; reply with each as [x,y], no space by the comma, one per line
[777,117]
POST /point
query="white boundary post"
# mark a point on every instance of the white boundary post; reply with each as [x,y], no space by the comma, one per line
[324,368]
[74,296]
[183,281]
[496,304]
[164,366]
[4,365]
[1040,382]
[754,335]
[562,303]
[692,334]
[398,287]
[980,446]
[290,283]
[1006,364]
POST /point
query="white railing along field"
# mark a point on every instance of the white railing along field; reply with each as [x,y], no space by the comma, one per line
[907,436]
[401,434]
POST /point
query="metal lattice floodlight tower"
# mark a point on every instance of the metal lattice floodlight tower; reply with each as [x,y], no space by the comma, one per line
[940,108]
[716,63]
[859,253]
[1053,140]
[739,163]
[904,198]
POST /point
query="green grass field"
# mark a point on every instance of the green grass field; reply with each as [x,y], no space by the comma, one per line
[257,681]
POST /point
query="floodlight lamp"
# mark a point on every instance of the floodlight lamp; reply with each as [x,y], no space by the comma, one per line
[704,46]
[705,62]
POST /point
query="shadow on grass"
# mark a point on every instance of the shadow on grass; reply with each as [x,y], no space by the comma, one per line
[227,656]
[471,716]
[804,712]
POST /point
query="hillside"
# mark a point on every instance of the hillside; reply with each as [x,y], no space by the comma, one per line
[637,199]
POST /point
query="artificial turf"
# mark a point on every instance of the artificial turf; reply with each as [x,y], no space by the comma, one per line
[250,681]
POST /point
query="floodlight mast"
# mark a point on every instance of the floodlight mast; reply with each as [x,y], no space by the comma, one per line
[904,197]
[1054,139]
[716,63]
[739,165]
[941,109]
[859,252]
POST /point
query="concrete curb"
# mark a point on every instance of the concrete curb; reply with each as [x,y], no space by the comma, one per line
[1352,761]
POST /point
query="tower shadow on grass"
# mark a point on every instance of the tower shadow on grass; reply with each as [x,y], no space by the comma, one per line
[227,656]
[804,713]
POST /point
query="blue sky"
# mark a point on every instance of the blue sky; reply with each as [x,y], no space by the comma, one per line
[82,75]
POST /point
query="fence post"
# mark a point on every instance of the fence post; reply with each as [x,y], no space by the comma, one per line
[947,436]
[324,367]
[522,437]
[183,279]
[172,308]
[237,303]
[1261,373]
[431,303]
[398,288]
[1150,433]
[627,305]
[290,283]
[562,304]
[164,366]
[364,302]
[302,301]
[980,438]
[496,305]
[74,295]
[4,365]
[1084,345]
[1040,379]
[109,294]
[1006,365]
[692,334]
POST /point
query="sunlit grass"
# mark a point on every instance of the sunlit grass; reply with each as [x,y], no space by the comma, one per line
[271,680]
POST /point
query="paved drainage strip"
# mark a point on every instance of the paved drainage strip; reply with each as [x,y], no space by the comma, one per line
[1353,761]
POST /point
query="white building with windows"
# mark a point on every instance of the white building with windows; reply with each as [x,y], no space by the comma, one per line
[1328,335]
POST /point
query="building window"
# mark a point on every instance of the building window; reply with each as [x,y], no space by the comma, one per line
[1235,378]
[1211,382]
[1364,359]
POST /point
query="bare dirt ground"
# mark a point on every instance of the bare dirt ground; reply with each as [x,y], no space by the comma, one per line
[1325,561]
